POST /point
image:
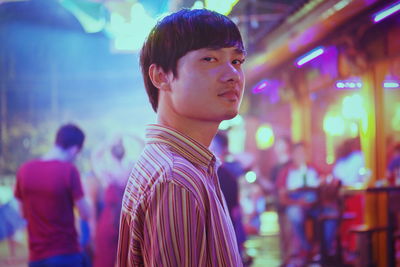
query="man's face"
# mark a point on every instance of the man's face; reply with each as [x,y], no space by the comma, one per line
[209,84]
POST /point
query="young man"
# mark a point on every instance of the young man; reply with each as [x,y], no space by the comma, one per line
[48,188]
[173,211]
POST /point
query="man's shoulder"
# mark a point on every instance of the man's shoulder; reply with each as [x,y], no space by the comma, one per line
[30,162]
[29,165]
[162,155]
[155,158]
[160,166]
[165,165]
[39,165]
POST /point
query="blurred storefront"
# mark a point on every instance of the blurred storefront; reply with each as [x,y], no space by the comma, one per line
[330,73]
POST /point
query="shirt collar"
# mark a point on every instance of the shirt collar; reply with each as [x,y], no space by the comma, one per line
[185,145]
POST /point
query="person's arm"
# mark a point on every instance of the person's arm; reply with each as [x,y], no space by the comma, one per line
[92,190]
[80,200]
[18,192]
[83,208]
[284,198]
[175,228]
[282,188]
[287,201]
[283,192]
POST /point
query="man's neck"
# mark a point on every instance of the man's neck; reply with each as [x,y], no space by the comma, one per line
[57,153]
[201,131]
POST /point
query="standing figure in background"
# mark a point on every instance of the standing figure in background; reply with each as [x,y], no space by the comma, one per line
[282,150]
[228,176]
[173,210]
[48,189]
[11,221]
[112,170]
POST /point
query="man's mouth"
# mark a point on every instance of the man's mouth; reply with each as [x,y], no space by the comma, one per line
[231,95]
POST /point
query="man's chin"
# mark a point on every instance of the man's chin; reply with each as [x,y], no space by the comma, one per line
[230,115]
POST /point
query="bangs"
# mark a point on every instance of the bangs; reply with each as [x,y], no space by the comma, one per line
[189,30]
[213,32]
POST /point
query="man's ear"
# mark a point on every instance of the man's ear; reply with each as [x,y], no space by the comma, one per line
[158,77]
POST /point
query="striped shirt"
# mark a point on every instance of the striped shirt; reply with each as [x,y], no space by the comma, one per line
[173,211]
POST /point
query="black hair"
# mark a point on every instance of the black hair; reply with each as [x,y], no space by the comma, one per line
[69,135]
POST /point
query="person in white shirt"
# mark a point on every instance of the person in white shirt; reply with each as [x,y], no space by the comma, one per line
[298,192]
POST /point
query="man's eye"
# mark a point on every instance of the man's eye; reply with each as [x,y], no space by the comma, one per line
[209,59]
[238,61]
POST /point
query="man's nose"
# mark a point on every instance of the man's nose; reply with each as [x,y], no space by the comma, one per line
[231,73]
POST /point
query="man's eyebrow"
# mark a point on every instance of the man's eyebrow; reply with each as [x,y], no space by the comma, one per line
[238,51]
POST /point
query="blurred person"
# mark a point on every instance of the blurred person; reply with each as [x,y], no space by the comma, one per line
[253,202]
[282,151]
[279,156]
[394,176]
[229,173]
[297,189]
[11,221]
[349,168]
[173,210]
[390,147]
[48,190]
[112,169]
[394,166]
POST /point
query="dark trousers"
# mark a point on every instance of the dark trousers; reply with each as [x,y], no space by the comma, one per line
[67,260]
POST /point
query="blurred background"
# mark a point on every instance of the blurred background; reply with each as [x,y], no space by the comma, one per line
[320,72]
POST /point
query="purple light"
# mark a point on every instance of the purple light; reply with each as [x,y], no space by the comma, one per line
[310,56]
[390,10]
[260,87]
[269,88]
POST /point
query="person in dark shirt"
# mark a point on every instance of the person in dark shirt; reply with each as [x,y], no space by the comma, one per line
[228,176]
